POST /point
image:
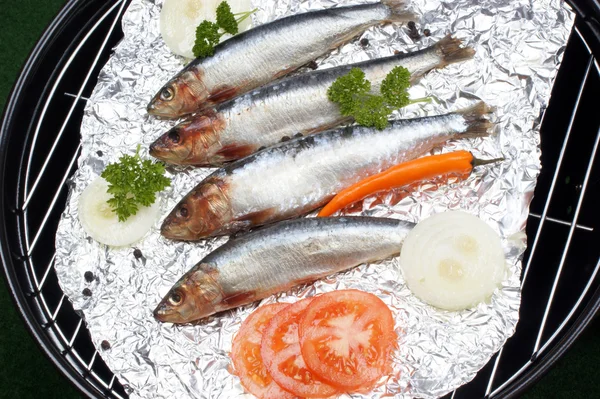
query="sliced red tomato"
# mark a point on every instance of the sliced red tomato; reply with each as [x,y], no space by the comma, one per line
[246,358]
[280,350]
[347,338]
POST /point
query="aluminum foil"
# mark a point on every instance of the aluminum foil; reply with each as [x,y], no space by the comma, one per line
[519,46]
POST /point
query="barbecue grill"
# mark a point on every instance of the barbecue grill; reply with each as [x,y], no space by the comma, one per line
[39,146]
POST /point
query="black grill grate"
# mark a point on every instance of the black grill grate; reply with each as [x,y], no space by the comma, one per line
[51,101]
[561,264]
[39,147]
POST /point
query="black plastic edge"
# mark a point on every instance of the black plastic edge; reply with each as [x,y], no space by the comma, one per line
[544,364]
[588,9]
[588,12]
[68,11]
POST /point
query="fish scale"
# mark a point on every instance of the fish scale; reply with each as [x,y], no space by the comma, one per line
[278,257]
[298,104]
[301,175]
[260,55]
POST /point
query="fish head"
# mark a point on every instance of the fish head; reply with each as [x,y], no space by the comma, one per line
[182,95]
[195,296]
[192,142]
[203,213]
[175,146]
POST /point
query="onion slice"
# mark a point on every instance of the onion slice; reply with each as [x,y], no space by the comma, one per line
[102,224]
[180,18]
[453,260]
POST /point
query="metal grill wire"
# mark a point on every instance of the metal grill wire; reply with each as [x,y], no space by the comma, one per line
[62,324]
[90,366]
[539,346]
[543,339]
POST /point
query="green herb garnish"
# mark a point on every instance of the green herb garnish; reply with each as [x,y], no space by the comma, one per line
[225,18]
[351,93]
[209,33]
[134,181]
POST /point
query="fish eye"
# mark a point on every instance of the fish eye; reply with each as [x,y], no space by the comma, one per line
[174,137]
[175,298]
[166,94]
[183,212]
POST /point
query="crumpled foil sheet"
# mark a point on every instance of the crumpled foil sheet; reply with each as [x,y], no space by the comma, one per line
[519,46]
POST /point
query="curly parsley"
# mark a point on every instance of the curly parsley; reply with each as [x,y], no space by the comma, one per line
[351,93]
[134,181]
[207,37]
[208,34]
[225,18]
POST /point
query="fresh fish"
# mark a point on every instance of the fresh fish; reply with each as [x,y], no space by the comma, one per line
[257,56]
[283,109]
[277,258]
[300,175]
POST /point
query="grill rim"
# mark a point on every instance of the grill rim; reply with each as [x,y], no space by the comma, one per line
[588,15]
[588,11]
[27,313]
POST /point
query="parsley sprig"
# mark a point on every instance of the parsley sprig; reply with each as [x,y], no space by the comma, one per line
[134,181]
[352,93]
[209,33]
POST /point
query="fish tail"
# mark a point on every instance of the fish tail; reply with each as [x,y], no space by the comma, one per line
[478,123]
[399,10]
[451,51]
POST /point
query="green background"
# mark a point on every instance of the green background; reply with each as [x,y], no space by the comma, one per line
[24,370]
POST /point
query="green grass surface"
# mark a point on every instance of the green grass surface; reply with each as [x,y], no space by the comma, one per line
[24,370]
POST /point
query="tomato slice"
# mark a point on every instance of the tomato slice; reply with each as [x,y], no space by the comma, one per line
[246,358]
[347,338]
[280,350]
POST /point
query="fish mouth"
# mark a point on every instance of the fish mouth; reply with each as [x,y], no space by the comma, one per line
[165,314]
[173,231]
[168,232]
[161,313]
[153,150]
[154,108]
[156,148]
[159,150]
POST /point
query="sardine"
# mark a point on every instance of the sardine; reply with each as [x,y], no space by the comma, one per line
[295,105]
[303,174]
[270,51]
[277,258]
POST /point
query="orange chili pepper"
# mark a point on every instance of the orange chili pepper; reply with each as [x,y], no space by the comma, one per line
[459,162]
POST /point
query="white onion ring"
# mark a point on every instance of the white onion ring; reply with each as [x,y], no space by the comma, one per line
[102,224]
[453,260]
[180,18]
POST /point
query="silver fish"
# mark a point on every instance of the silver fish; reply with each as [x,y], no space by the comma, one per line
[295,105]
[277,258]
[263,54]
[300,175]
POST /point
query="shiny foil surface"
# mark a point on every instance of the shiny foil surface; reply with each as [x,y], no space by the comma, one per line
[519,46]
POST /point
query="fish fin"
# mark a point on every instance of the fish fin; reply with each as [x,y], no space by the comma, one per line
[222,94]
[449,48]
[331,125]
[476,112]
[210,277]
[239,299]
[238,234]
[284,72]
[259,217]
[208,112]
[400,11]
[478,123]
[478,129]
[232,152]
